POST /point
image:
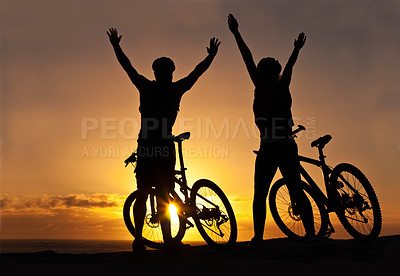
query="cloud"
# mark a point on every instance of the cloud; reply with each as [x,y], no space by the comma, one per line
[239,199]
[10,203]
[94,216]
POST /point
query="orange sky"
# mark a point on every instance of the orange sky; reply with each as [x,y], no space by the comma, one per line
[58,72]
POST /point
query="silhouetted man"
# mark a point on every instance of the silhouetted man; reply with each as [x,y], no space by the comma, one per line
[273,117]
[159,106]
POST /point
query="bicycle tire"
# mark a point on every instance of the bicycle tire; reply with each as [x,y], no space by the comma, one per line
[150,238]
[218,230]
[348,213]
[291,225]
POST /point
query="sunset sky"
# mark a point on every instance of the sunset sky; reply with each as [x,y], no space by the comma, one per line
[69,114]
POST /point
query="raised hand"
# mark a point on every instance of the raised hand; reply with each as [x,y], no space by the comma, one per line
[214,44]
[232,23]
[300,41]
[113,36]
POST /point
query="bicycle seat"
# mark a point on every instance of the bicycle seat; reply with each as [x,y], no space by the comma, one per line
[321,141]
[182,136]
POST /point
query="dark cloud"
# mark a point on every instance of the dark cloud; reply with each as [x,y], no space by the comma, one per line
[52,202]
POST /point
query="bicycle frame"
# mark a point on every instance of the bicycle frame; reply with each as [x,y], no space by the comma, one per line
[326,170]
[329,198]
[180,179]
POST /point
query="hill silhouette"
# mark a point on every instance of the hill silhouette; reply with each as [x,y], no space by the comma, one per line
[284,256]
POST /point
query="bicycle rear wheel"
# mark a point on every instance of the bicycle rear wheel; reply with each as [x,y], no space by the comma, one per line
[288,220]
[214,217]
[359,210]
[152,234]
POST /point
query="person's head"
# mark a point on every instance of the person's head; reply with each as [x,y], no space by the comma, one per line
[163,68]
[269,68]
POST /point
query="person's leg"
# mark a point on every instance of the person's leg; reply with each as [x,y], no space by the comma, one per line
[265,169]
[139,211]
[165,185]
[139,207]
[163,212]
[289,167]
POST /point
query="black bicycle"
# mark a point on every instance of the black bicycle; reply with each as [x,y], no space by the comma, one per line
[348,193]
[206,205]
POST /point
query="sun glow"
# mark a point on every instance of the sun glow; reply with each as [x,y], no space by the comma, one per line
[173,212]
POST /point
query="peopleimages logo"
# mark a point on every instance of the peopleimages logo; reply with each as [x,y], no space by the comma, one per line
[111,128]
[108,129]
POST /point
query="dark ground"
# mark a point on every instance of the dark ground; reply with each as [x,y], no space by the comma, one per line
[279,256]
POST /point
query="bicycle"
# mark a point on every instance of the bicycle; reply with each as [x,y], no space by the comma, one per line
[348,193]
[206,205]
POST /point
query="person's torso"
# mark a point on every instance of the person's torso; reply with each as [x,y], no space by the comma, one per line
[272,111]
[159,106]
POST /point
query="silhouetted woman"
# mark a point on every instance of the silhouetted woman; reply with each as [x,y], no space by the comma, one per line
[273,117]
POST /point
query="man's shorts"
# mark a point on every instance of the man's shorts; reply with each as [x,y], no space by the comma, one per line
[155,165]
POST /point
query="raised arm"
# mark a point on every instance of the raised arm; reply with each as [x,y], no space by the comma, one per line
[122,58]
[298,44]
[204,64]
[244,50]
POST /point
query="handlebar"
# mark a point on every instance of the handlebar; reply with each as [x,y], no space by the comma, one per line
[179,138]
[130,159]
[300,128]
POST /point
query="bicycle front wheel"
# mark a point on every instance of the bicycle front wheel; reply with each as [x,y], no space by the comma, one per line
[214,217]
[152,233]
[288,219]
[359,210]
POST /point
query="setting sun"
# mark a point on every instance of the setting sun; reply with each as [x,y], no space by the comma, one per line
[173,211]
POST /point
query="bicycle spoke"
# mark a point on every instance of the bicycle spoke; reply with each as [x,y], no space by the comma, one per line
[293,222]
[282,197]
